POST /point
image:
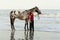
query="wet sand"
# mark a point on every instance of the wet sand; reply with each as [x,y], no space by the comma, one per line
[27,35]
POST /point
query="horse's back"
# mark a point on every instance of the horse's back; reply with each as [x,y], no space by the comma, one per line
[20,15]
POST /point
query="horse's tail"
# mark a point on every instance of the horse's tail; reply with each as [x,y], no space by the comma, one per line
[11,17]
[11,13]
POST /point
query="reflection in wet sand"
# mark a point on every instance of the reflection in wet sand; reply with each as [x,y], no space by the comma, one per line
[26,35]
[12,35]
[29,35]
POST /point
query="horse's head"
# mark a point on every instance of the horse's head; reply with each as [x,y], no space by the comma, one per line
[37,10]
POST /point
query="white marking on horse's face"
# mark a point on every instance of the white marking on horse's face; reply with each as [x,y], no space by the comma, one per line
[35,14]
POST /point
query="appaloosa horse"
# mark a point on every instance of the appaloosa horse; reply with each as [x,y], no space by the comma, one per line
[22,16]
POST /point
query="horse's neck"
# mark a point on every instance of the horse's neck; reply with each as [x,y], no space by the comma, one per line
[25,12]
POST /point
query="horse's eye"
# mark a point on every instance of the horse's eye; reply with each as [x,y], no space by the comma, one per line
[36,10]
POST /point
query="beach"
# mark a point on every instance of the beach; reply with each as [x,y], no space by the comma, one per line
[45,28]
[25,35]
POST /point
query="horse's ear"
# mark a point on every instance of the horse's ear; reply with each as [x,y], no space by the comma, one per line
[36,7]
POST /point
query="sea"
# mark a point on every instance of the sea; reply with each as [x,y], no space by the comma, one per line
[49,20]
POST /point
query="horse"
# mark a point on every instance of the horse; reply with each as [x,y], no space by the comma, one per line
[22,16]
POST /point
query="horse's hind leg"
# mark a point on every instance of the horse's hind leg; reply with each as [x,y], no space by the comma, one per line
[12,23]
[26,24]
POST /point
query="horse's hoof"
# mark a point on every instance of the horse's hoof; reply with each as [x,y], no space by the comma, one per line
[13,29]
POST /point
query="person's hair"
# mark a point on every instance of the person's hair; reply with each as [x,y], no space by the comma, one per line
[30,13]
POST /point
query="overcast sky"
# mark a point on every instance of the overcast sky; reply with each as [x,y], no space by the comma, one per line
[27,4]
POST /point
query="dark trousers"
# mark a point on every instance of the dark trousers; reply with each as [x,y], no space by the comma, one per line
[32,25]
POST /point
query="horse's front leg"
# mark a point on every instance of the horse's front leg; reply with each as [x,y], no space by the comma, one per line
[26,25]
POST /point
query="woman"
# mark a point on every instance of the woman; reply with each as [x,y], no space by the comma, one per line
[31,17]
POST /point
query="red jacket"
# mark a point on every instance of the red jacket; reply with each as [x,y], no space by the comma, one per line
[31,17]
